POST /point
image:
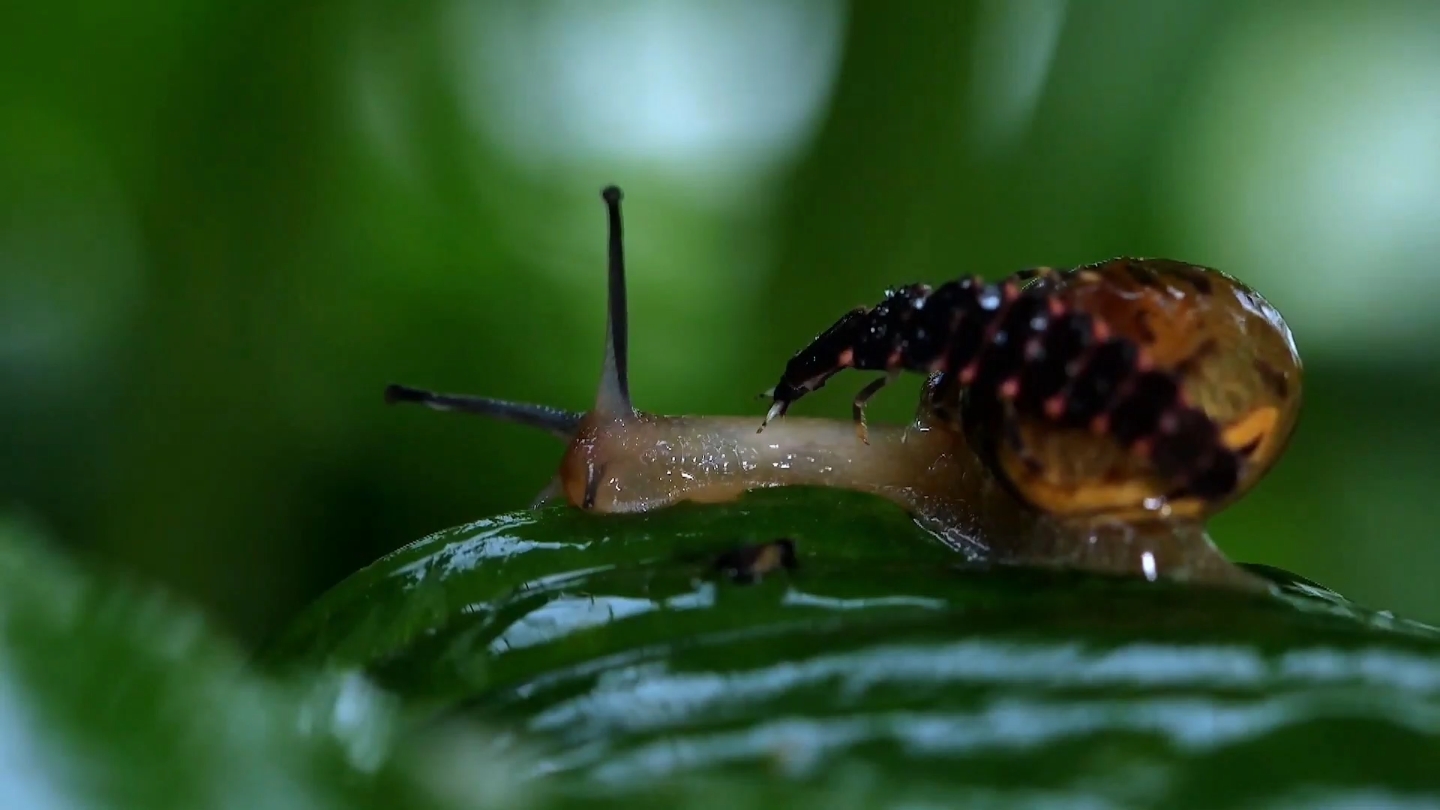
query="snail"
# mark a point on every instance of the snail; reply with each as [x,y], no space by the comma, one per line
[1088,419]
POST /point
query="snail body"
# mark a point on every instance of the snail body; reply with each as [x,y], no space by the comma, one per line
[958,466]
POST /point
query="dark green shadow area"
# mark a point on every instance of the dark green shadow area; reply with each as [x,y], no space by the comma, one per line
[879,670]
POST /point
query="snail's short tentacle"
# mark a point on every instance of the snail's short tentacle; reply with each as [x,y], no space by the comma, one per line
[556,421]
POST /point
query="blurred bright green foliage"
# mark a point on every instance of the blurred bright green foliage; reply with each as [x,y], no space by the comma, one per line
[224,227]
[114,696]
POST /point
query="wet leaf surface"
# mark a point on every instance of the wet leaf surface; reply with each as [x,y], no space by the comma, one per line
[879,668]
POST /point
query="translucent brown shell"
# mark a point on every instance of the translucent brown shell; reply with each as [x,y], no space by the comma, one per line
[1232,353]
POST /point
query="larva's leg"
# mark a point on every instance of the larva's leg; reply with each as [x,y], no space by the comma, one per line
[863,398]
[939,401]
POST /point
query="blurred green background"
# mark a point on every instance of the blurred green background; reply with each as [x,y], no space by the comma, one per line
[225,227]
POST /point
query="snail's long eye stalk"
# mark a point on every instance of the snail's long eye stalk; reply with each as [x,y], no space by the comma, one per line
[613,397]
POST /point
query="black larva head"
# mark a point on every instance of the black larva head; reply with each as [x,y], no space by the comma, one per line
[830,353]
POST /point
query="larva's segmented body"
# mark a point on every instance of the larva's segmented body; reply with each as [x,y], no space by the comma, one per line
[1122,386]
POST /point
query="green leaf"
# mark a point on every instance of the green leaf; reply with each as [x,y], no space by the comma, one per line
[879,670]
